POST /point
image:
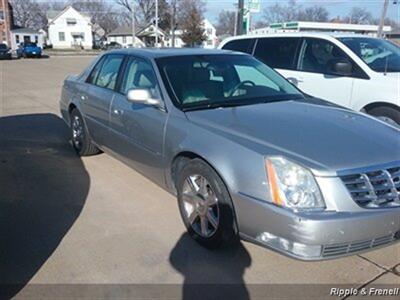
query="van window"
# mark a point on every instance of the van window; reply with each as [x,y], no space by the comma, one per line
[243,45]
[277,53]
[317,56]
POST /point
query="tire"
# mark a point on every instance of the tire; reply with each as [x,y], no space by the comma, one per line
[221,228]
[386,113]
[80,138]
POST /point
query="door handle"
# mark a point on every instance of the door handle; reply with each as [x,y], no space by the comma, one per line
[118,111]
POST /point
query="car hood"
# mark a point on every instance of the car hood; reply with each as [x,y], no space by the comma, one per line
[327,139]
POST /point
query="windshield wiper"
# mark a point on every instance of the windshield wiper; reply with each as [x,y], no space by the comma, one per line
[255,100]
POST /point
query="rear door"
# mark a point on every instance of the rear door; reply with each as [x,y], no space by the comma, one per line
[279,53]
[138,129]
[314,73]
[98,94]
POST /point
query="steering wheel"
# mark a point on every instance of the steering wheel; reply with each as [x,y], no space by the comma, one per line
[239,85]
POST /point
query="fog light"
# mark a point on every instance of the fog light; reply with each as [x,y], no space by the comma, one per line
[295,248]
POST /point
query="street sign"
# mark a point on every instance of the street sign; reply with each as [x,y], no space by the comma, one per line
[254,6]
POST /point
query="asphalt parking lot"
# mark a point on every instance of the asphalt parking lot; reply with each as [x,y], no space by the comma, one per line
[66,220]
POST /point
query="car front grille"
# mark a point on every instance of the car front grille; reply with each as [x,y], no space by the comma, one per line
[377,189]
[346,248]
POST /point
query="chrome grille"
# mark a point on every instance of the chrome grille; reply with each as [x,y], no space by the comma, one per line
[346,248]
[377,189]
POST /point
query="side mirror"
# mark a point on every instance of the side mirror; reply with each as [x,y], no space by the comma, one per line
[341,67]
[142,96]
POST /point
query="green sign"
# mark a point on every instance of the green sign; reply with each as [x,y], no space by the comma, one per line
[253,6]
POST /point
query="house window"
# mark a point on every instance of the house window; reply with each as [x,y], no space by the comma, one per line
[1,15]
[209,42]
[36,39]
[71,21]
[209,31]
[17,39]
[124,39]
[61,36]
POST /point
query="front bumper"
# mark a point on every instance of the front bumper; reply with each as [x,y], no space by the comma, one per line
[315,235]
[5,55]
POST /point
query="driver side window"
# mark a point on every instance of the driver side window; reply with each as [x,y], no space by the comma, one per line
[318,56]
[139,74]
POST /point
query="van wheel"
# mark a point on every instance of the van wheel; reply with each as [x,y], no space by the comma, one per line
[205,206]
[386,113]
[81,140]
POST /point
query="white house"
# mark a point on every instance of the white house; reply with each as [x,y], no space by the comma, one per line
[70,29]
[25,35]
[123,36]
[210,33]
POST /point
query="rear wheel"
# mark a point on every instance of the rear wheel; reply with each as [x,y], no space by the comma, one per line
[386,113]
[205,206]
[81,140]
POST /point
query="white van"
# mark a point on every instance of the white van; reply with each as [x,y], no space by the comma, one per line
[356,71]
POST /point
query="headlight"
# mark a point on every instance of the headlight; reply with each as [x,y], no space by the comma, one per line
[292,185]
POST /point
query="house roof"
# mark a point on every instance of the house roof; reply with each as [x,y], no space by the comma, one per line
[127,30]
[122,30]
[52,15]
[25,30]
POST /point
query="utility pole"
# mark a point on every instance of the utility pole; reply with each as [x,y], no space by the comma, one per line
[133,24]
[382,19]
[173,22]
[5,19]
[156,23]
[239,26]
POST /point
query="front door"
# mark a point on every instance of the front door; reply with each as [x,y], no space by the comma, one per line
[314,75]
[138,129]
[97,94]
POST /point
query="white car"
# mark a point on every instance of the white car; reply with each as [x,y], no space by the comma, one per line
[355,71]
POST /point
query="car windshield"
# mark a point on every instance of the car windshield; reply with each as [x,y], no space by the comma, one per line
[3,46]
[379,55]
[208,81]
[30,44]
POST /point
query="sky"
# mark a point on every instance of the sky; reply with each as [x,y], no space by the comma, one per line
[334,7]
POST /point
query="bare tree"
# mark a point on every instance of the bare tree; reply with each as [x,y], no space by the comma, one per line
[191,20]
[226,23]
[292,11]
[359,15]
[278,13]
[145,11]
[100,12]
[29,13]
[314,14]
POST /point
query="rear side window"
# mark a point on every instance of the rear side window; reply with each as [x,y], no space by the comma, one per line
[95,72]
[277,53]
[245,45]
[107,77]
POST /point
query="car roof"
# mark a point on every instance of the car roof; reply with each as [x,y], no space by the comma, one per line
[171,52]
[299,34]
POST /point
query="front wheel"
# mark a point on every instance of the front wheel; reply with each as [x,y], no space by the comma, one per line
[81,140]
[386,113]
[205,206]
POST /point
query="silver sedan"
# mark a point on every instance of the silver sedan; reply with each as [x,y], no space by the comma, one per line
[247,154]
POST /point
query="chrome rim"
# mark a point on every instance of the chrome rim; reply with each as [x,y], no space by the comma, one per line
[77,132]
[200,205]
